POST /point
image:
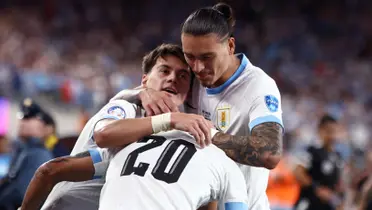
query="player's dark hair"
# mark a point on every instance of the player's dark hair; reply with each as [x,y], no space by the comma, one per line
[163,50]
[325,120]
[218,19]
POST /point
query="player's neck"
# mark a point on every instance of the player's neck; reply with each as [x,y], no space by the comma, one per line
[231,69]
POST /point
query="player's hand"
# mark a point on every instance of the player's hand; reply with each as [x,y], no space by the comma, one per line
[196,125]
[156,102]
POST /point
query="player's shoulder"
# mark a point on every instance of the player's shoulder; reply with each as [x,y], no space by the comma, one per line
[121,108]
[257,79]
[255,73]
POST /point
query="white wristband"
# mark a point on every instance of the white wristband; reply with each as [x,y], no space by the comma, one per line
[161,122]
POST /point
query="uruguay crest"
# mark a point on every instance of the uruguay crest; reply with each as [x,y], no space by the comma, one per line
[223,118]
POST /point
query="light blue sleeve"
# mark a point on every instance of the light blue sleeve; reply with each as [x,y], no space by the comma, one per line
[101,162]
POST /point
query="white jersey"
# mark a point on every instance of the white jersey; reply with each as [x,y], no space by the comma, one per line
[250,97]
[85,195]
[167,171]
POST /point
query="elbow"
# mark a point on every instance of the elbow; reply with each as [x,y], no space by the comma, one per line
[101,137]
[272,161]
[47,173]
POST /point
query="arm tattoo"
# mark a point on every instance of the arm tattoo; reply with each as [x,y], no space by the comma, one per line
[82,154]
[67,158]
[262,148]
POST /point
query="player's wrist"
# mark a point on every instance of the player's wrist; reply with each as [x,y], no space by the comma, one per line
[161,122]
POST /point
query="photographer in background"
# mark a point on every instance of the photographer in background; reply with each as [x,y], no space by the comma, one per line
[318,170]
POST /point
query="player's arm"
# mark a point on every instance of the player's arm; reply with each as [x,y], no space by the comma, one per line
[118,133]
[69,168]
[263,147]
[154,102]
[115,125]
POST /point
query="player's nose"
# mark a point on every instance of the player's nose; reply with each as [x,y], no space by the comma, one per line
[198,66]
[172,77]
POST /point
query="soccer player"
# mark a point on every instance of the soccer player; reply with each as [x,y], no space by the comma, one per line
[165,70]
[238,97]
[318,170]
[164,171]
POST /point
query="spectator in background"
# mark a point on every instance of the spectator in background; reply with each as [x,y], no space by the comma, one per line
[318,170]
[35,127]
[282,189]
[52,143]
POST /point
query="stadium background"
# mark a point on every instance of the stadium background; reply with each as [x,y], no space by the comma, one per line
[71,56]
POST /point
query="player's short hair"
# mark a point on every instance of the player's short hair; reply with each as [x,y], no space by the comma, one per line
[218,19]
[163,50]
[325,119]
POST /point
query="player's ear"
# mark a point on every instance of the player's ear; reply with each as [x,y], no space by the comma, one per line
[144,80]
[231,45]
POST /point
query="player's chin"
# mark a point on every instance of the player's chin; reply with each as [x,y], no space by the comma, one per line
[178,99]
[206,83]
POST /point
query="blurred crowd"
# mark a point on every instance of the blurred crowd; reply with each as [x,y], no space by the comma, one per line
[80,53]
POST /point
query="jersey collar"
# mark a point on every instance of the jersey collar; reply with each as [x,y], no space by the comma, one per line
[243,63]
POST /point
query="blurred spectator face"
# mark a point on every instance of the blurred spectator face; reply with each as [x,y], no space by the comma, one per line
[169,74]
[329,132]
[33,127]
[208,57]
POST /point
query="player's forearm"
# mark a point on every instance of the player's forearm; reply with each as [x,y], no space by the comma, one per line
[75,169]
[123,132]
[38,190]
[263,148]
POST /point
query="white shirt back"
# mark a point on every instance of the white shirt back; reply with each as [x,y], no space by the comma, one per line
[85,195]
[250,97]
[168,171]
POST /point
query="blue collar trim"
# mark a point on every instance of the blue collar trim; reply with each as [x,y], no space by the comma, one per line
[243,64]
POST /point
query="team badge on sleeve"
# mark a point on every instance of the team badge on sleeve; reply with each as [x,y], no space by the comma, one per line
[272,103]
[116,111]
